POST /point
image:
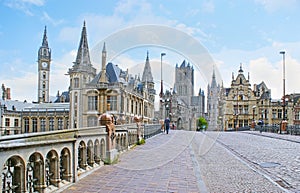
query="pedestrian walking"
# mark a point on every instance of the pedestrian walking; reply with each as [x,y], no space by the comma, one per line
[167,124]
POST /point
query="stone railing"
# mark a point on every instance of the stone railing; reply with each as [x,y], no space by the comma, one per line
[47,161]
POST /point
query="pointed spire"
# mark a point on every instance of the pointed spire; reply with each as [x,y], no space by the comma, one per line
[83,55]
[45,41]
[213,81]
[147,74]
[104,48]
[241,69]
[103,76]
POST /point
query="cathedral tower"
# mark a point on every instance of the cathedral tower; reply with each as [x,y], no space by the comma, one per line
[44,59]
[81,73]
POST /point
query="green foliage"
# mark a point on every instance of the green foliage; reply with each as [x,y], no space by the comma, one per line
[201,124]
[141,142]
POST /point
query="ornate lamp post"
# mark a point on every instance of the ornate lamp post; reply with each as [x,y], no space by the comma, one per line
[283,123]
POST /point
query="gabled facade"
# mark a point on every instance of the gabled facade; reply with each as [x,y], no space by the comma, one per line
[239,102]
[112,91]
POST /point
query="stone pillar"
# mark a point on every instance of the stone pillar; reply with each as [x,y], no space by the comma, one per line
[111,153]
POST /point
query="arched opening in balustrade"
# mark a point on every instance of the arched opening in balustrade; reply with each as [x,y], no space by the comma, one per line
[65,165]
[13,175]
[118,142]
[82,155]
[124,142]
[35,173]
[97,151]
[102,149]
[52,169]
[90,153]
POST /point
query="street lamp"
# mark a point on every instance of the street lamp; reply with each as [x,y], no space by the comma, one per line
[161,75]
[253,121]
[283,107]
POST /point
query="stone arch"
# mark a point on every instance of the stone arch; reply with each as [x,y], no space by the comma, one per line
[123,141]
[90,153]
[102,149]
[82,155]
[13,175]
[118,145]
[97,151]
[35,173]
[52,169]
[65,165]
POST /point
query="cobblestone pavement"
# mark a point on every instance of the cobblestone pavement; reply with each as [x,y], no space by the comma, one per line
[195,162]
[275,155]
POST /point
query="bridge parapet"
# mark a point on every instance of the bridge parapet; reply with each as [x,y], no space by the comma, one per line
[47,161]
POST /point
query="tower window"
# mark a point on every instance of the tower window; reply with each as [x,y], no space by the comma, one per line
[76,82]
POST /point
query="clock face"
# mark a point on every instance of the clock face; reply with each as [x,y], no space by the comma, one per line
[44,64]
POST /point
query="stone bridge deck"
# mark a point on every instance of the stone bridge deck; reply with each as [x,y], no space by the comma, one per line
[184,161]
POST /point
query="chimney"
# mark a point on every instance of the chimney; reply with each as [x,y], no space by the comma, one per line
[8,94]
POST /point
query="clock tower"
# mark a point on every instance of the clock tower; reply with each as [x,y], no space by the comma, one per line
[44,59]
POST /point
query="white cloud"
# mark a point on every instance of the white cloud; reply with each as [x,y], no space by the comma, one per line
[264,64]
[54,22]
[275,5]
[24,5]
[208,6]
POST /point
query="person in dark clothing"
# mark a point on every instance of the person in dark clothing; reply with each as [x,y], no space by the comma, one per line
[167,125]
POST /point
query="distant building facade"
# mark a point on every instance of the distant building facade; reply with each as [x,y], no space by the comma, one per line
[112,90]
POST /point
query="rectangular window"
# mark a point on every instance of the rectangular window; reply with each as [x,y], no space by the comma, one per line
[297,115]
[43,124]
[51,124]
[76,82]
[92,121]
[112,103]
[26,125]
[60,124]
[16,122]
[274,112]
[34,125]
[7,122]
[92,103]
[279,114]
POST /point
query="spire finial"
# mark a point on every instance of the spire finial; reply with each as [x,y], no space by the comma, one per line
[45,41]
[104,47]
[147,55]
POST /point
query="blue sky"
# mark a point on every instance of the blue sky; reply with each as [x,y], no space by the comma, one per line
[251,32]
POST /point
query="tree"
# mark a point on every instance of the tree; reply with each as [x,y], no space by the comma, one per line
[202,124]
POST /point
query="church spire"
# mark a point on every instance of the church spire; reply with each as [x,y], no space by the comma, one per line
[213,81]
[45,41]
[103,77]
[83,55]
[147,74]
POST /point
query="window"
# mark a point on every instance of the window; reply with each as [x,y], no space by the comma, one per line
[51,124]
[75,98]
[92,103]
[279,114]
[43,124]
[76,82]
[92,121]
[274,112]
[297,115]
[60,124]
[7,122]
[111,103]
[26,125]
[16,122]
[44,75]
[34,125]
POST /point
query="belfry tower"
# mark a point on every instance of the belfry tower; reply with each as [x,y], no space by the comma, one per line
[44,59]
